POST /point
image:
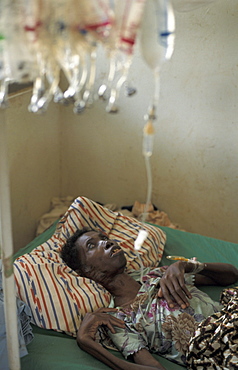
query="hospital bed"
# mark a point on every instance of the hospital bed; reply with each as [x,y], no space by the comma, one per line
[55,347]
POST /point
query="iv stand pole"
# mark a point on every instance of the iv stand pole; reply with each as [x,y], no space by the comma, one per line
[6,249]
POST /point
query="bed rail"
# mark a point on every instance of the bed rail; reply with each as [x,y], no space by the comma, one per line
[6,247]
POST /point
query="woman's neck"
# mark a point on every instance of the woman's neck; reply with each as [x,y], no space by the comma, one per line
[124,288]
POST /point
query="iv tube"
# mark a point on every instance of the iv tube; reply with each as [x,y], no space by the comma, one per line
[157,45]
[157,41]
[148,136]
[148,140]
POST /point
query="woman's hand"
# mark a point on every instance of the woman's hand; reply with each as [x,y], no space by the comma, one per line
[172,286]
[86,341]
[93,320]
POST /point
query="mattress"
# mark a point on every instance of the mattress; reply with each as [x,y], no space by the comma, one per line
[53,350]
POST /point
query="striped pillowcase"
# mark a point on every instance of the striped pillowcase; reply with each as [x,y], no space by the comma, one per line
[58,297]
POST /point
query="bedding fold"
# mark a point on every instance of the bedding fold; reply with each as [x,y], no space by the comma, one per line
[25,334]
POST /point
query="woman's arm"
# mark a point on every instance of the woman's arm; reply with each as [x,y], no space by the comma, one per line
[86,341]
[217,274]
[143,357]
[173,287]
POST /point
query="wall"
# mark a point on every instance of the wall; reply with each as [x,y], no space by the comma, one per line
[202,119]
[195,176]
[34,165]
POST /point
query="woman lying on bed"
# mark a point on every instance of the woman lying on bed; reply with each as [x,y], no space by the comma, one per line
[158,315]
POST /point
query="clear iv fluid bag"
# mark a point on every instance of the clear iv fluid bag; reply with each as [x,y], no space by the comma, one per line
[97,17]
[17,61]
[128,17]
[157,33]
[38,38]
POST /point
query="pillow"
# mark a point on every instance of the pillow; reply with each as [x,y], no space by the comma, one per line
[58,297]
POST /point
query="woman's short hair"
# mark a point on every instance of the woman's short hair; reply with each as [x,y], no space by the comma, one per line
[70,253]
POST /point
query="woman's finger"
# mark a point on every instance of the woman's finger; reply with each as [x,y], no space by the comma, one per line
[106,309]
[173,293]
[164,292]
[184,287]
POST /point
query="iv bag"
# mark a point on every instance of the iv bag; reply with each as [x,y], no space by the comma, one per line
[157,45]
[97,17]
[157,33]
[128,16]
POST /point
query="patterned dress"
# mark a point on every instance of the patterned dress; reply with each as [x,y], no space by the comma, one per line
[215,343]
[151,324]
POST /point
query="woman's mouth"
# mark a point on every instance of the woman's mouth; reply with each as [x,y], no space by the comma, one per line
[115,250]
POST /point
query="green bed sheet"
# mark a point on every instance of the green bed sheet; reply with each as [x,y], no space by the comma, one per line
[55,351]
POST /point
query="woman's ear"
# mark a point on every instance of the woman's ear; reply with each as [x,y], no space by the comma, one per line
[79,272]
[84,271]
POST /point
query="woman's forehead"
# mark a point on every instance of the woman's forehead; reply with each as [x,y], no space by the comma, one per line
[90,234]
[95,233]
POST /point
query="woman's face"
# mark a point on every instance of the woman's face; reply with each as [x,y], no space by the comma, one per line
[100,255]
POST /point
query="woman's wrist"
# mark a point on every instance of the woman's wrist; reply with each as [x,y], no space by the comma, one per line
[194,267]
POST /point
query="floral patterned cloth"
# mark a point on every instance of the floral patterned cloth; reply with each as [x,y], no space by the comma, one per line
[151,324]
[215,343]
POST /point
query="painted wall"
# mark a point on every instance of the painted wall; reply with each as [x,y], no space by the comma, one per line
[99,155]
[34,165]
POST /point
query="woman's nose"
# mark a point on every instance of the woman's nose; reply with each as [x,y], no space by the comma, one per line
[108,243]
